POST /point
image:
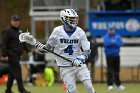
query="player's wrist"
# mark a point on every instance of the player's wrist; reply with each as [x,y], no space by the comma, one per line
[81,58]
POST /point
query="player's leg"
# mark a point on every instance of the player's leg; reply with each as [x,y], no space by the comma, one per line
[16,72]
[68,76]
[9,82]
[71,87]
[92,69]
[110,71]
[84,76]
[117,76]
[117,70]
[89,86]
[18,77]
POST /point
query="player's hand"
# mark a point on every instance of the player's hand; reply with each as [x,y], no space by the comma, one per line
[78,60]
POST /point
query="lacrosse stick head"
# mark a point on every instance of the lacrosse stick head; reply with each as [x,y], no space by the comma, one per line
[26,37]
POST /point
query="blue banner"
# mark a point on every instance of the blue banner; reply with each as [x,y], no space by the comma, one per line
[125,23]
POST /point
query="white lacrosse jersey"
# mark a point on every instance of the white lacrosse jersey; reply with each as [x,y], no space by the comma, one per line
[68,44]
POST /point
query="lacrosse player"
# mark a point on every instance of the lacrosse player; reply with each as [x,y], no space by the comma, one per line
[69,41]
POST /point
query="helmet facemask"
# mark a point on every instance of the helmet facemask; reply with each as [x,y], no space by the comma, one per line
[72,20]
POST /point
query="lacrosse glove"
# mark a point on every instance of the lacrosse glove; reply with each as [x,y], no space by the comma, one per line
[78,60]
[39,45]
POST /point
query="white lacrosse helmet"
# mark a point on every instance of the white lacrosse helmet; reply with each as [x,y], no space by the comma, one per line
[69,17]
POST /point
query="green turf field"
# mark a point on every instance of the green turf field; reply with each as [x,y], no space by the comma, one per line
[57,88]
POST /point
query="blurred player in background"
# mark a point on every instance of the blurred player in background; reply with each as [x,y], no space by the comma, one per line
[37,64]
[112,44]
[69,41]
[94,53]
[12,49]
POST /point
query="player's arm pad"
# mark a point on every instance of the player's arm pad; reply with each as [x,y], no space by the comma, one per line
[86,53]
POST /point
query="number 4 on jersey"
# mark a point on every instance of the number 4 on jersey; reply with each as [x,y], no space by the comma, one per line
[69,50]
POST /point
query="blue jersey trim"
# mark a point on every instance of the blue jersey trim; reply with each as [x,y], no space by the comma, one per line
[69,33]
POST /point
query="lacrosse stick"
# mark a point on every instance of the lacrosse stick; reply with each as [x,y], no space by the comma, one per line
[26,37]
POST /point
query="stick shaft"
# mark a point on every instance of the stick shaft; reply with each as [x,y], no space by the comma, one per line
[46,50]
